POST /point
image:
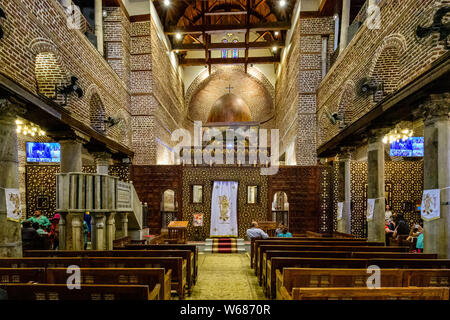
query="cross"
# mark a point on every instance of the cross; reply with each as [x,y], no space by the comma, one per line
[229,88]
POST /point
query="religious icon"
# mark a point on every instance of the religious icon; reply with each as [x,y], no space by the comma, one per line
[431,204]
[224,208]
[198,220]
[14,212]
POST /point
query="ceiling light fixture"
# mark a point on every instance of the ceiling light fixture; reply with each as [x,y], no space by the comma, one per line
[282,3]
[274,49]
[178,36]
[167,3]
[276,33]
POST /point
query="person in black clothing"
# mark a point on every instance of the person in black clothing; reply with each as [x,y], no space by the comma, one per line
[30,237]
[402,227]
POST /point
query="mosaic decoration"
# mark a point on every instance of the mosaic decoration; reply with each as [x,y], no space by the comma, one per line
[41,185]
[206,176]
[326,201]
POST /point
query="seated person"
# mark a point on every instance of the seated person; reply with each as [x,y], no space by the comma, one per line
[279,229]
[36,226]
[402,228]
[256,232]
[30,237]
[41,219]
[285,234]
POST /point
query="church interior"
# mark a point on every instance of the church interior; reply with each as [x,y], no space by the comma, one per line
[224,149]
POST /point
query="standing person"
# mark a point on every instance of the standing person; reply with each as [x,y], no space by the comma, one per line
[41,219]
[256,232]
[87,219]
[388,213]
[54,231]
[285,233]
[85,233]
[419,244]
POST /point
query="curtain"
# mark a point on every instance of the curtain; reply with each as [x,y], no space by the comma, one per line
[224,209]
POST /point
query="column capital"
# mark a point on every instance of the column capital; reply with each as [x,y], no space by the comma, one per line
[376,134]
[9,109]
[435,106]
[346,153]
[69,136]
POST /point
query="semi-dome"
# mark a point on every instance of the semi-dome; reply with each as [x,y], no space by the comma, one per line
[229,108]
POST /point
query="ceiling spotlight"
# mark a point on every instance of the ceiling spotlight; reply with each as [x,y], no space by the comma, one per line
[274,49]
[282,3]
[178,36]
[276,33]
[167,3]
[177,51]
[104,13]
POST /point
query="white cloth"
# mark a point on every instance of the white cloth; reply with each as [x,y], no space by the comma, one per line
[224,209]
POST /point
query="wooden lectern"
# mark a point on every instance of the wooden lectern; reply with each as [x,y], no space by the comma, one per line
[268,227]
[178,231]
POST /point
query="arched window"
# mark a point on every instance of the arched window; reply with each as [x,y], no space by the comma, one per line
[224,51]
[235,51]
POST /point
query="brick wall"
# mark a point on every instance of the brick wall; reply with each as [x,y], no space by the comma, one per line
[390,54]
[295,93]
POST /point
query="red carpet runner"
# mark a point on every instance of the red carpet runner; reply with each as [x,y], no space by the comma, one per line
[224,245]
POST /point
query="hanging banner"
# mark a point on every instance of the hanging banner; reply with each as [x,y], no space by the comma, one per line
[224,209]
[370,209]
[198,220]
[340,209]
[431,204]
[13,209]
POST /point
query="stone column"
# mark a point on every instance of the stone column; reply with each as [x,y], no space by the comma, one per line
[110,230]
[436,170]
[123,219]
[98,235]
[344,225]
[102,160]
[71,149]
[375,184]
[99,25]
[10,231]
[345,22]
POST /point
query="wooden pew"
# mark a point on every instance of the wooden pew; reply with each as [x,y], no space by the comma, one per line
[87,292]
[410,263]
[297,254]
[264,248]
[118,276]
[185,254]
[426,277]
[252,242]
[307,243]
[192,247]
[176,264]
[370,294]
[22,275]
[393,255]
[292,278]
[279,263]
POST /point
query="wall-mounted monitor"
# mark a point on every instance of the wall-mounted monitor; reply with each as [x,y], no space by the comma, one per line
[43,152]
[411,147]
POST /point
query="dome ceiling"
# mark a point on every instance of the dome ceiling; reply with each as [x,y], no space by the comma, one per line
[229,108]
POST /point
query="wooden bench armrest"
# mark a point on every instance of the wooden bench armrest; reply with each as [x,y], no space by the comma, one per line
[154,294]
[279,280]
[284,294]
[168,284]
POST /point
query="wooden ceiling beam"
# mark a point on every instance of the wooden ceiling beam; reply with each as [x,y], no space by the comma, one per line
[213,28]
[251,60]
[223,13]
[238,45]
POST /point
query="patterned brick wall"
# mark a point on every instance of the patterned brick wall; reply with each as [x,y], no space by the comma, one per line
[295,96]
[390,54]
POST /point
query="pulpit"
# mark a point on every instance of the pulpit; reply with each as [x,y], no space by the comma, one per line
[268,227]
[178,231]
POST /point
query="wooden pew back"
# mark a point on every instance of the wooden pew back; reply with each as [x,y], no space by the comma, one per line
[370,294]
[120,276]
[393,255]
[426,278]
[22,275]
[410,263]
[87,292]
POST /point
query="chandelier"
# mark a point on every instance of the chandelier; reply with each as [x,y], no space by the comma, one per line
[28,129]
[397,134]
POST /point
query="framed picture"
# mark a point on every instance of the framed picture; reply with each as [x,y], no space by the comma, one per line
[42,202]
[198,220]
[197,194]
[252,194]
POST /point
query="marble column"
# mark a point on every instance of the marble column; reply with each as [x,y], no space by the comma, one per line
[99,25]
[375,184]
[102,160]
[110,230]
[436,171]
[71,150]
[345,22]
[123,220]
[98,235]
[344,225]
[10,231]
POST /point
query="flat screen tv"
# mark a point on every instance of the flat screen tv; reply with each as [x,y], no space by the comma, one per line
[43,152]
[411,147]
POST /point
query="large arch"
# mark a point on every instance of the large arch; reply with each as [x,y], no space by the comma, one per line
[345,108]
[97,114]
[253,87]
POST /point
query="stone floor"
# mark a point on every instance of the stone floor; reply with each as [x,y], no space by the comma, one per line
[226,276]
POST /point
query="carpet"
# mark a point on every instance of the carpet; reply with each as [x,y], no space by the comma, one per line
[224,245]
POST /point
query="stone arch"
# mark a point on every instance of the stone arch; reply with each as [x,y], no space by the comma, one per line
[48,68]
[97,114]
[322,126]
[385,67]
[201,94]
[345,107]
[124,128]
